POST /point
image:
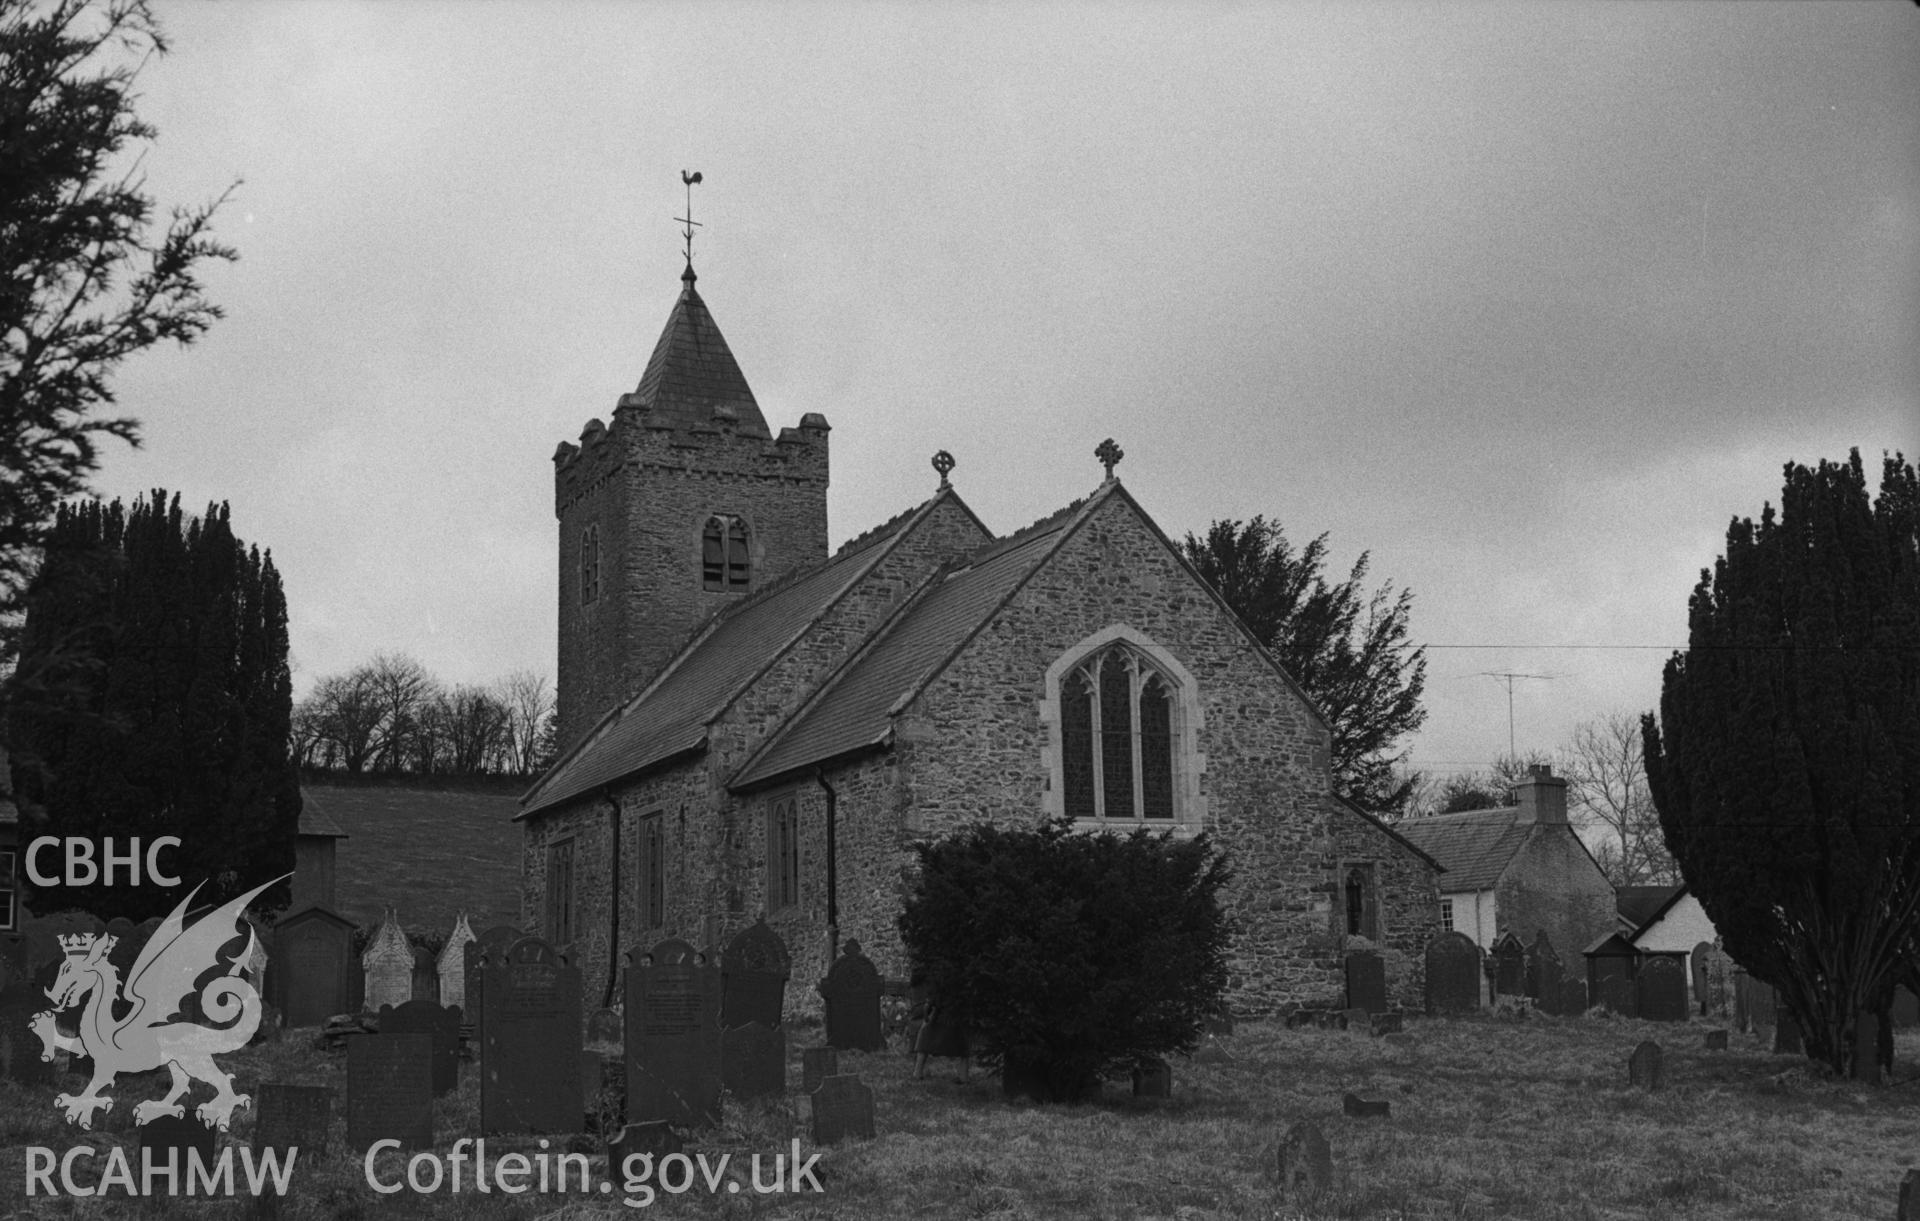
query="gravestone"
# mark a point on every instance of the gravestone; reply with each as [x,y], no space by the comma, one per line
[530,1052]
[292,1117]
[1645,1068]
[753,978]
[492,944]
[1153,1081]
[1365,1108]
[1510,966]
[1453,974]
[451,966]
[1866,1046]
[1906,1008]
[183,1133]
[1661,989]
[1366,982]
[655,1138]
[1305,1163]
[852,994]
[312,975]
[1909,1206]
[753,1060]
[604,1026]
[842,1107]
[673,1036]
[390,1090]
[1716,1040]
[817,1063]
[1545,976]
[1611,965]
[1573,997]
[388,964]
[1786,1033]
[1697,966]
[439,1021]
[426,976]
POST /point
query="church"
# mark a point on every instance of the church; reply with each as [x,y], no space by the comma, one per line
[755,727]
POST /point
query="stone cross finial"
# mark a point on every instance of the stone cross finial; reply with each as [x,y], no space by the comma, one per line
[943,462]
[1109,455]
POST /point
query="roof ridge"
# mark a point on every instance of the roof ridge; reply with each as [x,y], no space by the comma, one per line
[872,534]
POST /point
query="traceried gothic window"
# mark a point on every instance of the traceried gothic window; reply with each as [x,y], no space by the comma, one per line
[1117,738]
[590,563]
[723,554]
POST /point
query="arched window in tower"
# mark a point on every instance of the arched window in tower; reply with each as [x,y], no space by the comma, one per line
[724,555]
[590,563]
[1117,738]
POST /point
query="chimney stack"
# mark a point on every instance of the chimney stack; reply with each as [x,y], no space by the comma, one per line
[1543,798]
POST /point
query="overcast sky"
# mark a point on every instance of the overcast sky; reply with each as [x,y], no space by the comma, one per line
[1525,301]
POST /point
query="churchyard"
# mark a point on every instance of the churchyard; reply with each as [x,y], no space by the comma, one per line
[1491,1115]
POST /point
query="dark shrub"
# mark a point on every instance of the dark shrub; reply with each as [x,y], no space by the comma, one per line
[1070,956]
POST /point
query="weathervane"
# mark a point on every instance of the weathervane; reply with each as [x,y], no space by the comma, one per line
[1109,455]
[943,462]
[687,220]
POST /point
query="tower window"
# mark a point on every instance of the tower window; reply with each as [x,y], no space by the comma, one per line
[724,565]
[590,563]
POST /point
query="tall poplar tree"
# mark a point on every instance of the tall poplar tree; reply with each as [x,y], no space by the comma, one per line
[167,703]
[1785,763]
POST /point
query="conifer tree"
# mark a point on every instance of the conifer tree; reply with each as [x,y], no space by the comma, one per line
[1785,763]
[166,704]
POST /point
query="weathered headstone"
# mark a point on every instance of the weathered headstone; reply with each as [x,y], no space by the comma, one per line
[753,1060]
[753,977]
[388,964]
[491,944]
[390,1090]
[1906,1007]
[1697,967]
[1716,1040]
[1305,1163]
[530,1051]
[1453,974]
[1573,997]
[184,1133]
[1510,966]
[1661,989]
[1645,1068]
[1545,975]
[605,1026]
[292,1117]
[1153,1081]
[426,978]
[842,1107]
[817,1063]
[451,966]
[673,1036]
[1365,1108]
[852,994]
[1786,1033]
[1366,982]
[439,1021]
[313,974]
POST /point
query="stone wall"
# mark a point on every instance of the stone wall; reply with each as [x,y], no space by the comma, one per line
[1553,884]
[1408,896]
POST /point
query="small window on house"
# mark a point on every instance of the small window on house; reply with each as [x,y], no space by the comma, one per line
[1446,914]
[559,923]
[1362,910]
[724,564]
[1117,738]
[653,871]
[783,853]
[590,563]
[9,914]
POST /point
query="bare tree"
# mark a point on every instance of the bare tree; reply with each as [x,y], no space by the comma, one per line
[469,723]
[403,690]
[528,702]
[1609,799]
[346,717]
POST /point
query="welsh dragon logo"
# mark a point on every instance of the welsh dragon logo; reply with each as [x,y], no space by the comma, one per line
[140,1028]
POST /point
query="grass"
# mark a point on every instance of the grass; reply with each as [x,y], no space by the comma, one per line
[1490,1119]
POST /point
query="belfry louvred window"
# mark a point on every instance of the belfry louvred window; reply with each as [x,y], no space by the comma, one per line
[724,561]
[1116,737]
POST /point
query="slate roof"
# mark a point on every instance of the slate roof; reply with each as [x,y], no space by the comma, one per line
[854,708]
[670,716]
[1638,905]
[1474,846]
[692,371]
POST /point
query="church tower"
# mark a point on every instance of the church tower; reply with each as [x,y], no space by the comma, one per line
[686,503]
